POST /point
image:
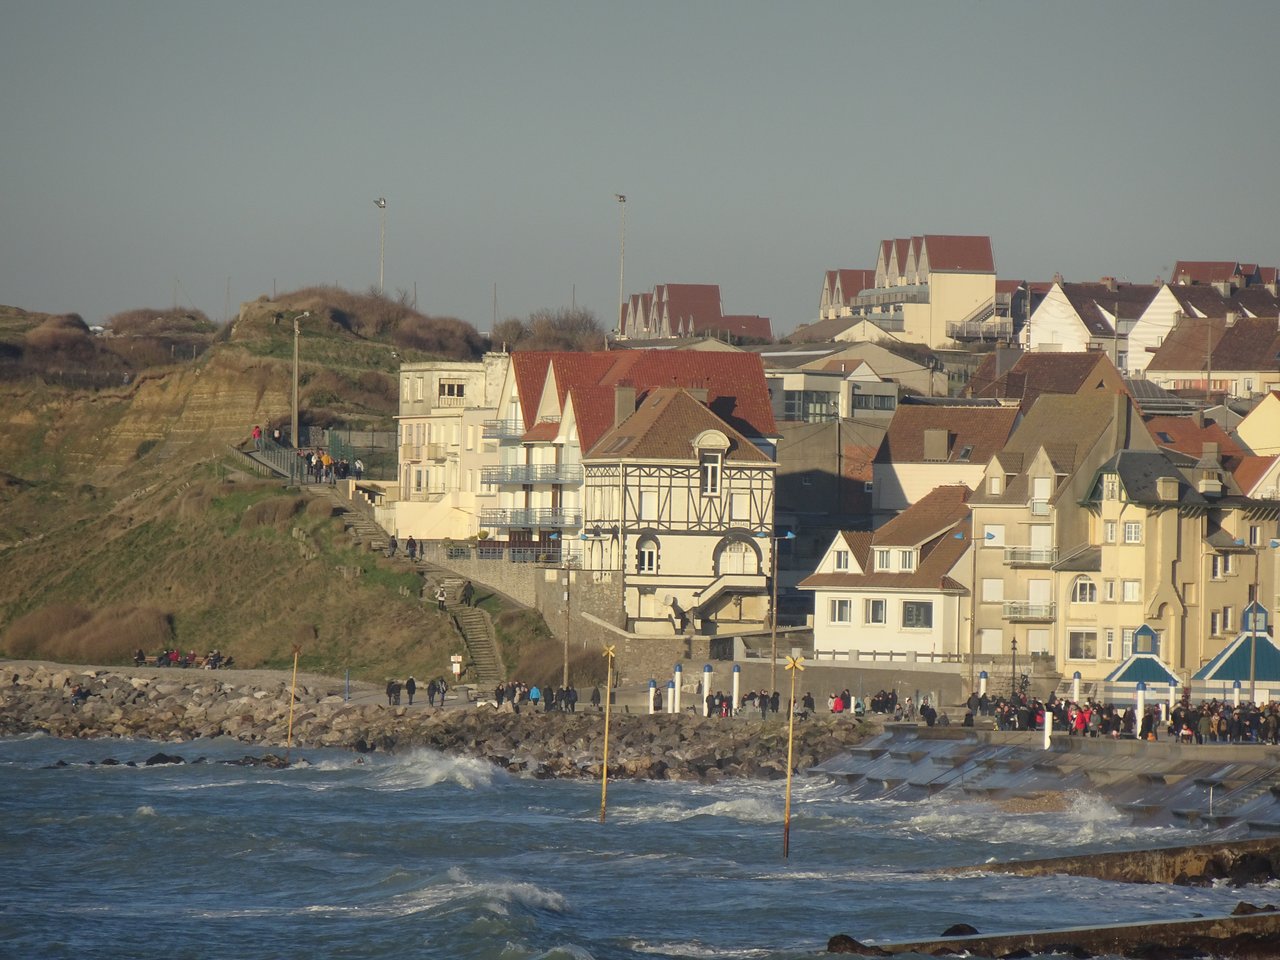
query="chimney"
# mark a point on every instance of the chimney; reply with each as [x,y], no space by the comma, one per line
[624,401]
[698,393]
[1232,316]
[1167,489]
[1109,283]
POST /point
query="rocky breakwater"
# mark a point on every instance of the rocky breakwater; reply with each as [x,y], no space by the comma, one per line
[195,705]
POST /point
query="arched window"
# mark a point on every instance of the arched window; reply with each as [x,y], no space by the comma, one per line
[1084,590]
[647,555]
[737,556]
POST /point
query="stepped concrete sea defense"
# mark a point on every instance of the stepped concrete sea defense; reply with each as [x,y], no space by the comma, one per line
[189,705]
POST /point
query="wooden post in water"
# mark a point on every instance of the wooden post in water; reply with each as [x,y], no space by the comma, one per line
[293,698]
[608,700]
[794,666]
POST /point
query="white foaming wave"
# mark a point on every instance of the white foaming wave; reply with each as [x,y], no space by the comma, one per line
[146,810]
[568,951]
[744,809]
[426,768]
[693,949]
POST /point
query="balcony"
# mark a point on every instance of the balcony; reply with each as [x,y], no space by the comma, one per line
[533,473]
[509,429]
[530,517]
[1030,556]
[888,322]
[1039,508]
[1026,611]
[981,330]
[413,452]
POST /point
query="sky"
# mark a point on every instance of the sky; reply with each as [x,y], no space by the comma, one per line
[206,154]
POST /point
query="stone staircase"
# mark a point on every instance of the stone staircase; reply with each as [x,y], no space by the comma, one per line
[362,529]
[484,664]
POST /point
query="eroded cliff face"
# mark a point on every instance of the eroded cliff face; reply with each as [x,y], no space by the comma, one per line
[101,436]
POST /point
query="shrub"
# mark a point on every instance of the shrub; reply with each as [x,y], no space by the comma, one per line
[112,635]
[272,512]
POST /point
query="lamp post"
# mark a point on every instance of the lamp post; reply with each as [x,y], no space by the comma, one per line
[622,255]
[293,436]
[381,204]
[1253,616]
[564,559]
[1013,646]
[773,608]
[973,597]
[794,666]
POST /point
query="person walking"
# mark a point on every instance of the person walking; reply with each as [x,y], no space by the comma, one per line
[410,687]
[441,597]
[411,548]
[468,593]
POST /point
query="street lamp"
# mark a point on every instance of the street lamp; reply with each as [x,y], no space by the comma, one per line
[973,598]
[773,608]
[1253,617]
[381,204]
[622,255]
[293,436]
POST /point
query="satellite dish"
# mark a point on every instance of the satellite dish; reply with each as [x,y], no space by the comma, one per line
[669,600]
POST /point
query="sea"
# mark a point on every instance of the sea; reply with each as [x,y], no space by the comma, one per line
[419,854]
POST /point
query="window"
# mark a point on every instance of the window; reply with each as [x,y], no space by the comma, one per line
[1219,565]
[883,560]
[995,486]
[451,392]
[1084,590]
[907,559]
[1215,623]
[1126,643]
[842,559]
[647,556]
[1228,619]
[1082,645]
[1108,531]
[965,453]
[873,611]
[1255,535]
[992,535]
[1111,487]
[839,611]
[1108,591]
[1131,590]
[1132,532]
[917,614]
[1111,645]
[992,590]
[709,474]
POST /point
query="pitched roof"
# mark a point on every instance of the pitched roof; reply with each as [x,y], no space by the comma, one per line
[664,427]
[734,382]
[983,430]
[1189,344]
[1204,271]
[1186,436]
[1140,471]
[823,330]
[959,253]
[1096,303]
[1251,343]
[739,325]
[1248,470]
[853,282]
[1033,374]
[930,524]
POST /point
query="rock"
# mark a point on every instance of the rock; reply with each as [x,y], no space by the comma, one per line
[960,930]
[843,943]
[160,758]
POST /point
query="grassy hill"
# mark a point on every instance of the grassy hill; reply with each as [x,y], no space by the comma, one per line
[122,524]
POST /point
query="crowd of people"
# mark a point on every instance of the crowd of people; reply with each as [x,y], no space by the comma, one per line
[1210,721]
[519,694]
[318,466]
[173,657]
[409,688]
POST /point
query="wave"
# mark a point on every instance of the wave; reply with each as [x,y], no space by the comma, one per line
[421,768]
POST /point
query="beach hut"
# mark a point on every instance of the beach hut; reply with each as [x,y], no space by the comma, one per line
[1240,661]
[1143,666]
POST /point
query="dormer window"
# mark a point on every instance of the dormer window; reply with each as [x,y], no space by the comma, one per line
[907,560]
[842,560]
[709,474]
[884,560]
[995,485]
[1111,487]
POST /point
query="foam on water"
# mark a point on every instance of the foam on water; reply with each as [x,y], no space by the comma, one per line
[695,949]
[146,810]
[423,768]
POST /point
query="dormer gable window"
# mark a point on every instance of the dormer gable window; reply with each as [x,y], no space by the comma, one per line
[842,560]
[884,559]
[711,446]
[906,560]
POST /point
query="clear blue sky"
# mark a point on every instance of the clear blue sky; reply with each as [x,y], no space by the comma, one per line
[150,147]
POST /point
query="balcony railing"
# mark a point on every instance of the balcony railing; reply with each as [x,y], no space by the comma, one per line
[423,451]
[1039,508]
[503,429]
[889,322]
[530,517]
[980,330]
[882,296]
[533,473]
[1025,610]
[1030,556]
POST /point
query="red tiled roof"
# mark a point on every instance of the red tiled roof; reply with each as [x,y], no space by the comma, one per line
[970,254]
[543,430]
[1188,345]
[736,390]
[740,326]
[1204,271]
[940,509]
[1008,286]
[853,282]
[697,301]
[1248,470]
[1186,436]
[1034,374]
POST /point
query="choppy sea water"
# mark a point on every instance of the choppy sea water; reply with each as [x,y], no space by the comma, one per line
[423,855]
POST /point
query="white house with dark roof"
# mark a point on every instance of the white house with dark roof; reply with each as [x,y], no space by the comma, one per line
[899,593]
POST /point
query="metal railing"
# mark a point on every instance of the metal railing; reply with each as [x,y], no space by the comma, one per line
[1025,610]
[882,296]
[503,429]
[284,460]
[533,473]
[560,554]
[530,517]
[980,330]
[1039,508]
[1030,556]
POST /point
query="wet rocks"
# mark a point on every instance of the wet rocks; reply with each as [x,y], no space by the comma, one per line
[532,743]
